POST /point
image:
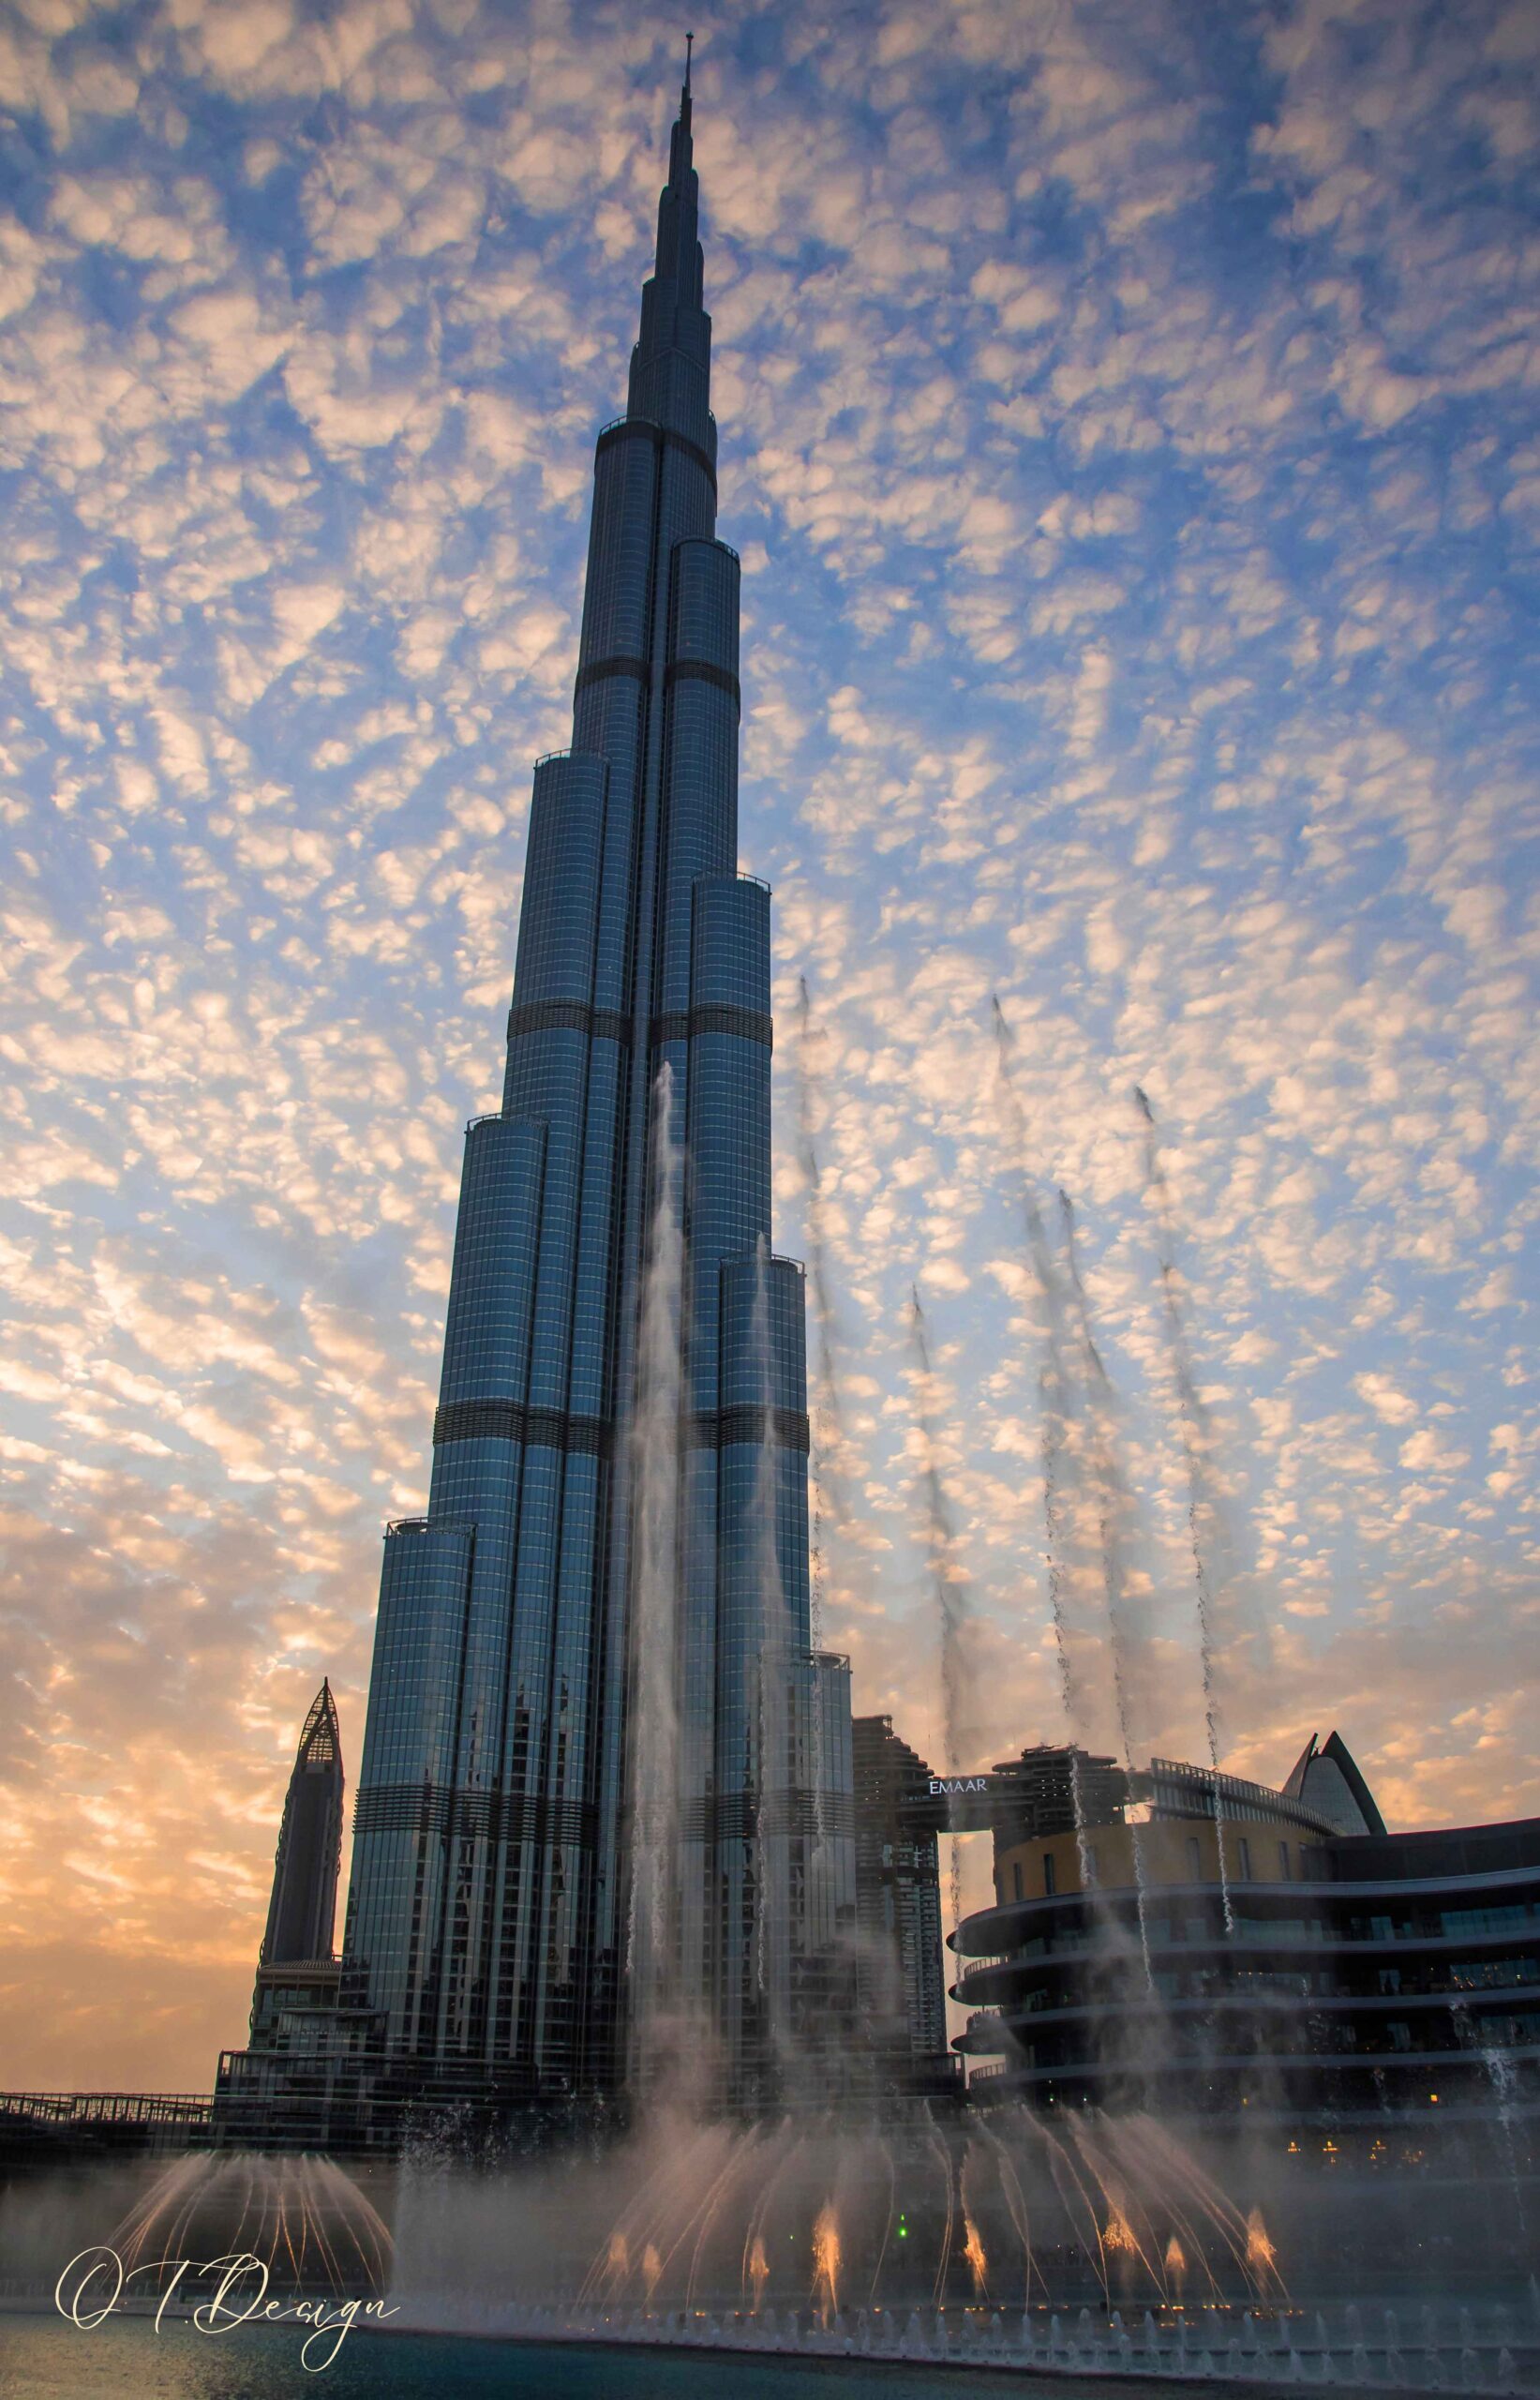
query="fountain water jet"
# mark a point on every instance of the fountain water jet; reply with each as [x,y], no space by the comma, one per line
[1112,1504]
[771,1769]
[1206,1521]
[653,1940]
[950,1583]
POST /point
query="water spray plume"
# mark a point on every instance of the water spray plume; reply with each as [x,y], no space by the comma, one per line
[973,2251]
[651,2271]
[758,2271]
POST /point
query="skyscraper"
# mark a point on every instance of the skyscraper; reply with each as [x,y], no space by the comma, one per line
[898,1902]
[302,1912]
[279,2088]
[606,1780]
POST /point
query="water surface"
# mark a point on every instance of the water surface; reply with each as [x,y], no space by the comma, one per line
[43,2358]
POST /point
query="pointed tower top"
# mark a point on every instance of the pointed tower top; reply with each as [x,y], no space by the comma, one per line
[320,1740]
[670,365]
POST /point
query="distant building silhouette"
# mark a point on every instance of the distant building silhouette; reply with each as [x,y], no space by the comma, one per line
[898,1902]
[301,1912]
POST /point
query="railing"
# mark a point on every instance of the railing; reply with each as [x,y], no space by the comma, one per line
[108,2108]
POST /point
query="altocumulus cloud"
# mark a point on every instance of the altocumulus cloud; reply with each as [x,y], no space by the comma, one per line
[1127,428]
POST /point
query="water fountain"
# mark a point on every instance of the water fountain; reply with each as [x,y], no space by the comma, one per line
[1076,2241]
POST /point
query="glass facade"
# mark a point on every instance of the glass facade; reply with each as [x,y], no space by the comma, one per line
[491,1900]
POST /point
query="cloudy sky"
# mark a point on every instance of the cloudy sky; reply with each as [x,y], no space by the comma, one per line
[1129,424]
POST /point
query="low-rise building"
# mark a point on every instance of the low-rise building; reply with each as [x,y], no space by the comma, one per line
[1226,1947]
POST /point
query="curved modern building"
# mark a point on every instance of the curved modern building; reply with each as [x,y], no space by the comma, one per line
[1229,1948]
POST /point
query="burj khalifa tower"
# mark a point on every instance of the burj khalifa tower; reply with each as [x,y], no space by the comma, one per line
[605,1797]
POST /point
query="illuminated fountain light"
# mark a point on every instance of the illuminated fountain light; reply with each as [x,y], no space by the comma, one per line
[973,2251]
[826,2261]
[651,2271]
[726,2219]
[1175,2268]
[1261,2255]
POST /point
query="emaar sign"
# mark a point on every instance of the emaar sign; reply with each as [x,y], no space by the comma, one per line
[943,1787]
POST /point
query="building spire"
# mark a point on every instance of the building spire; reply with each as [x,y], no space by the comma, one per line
[671,363]
[320,1742]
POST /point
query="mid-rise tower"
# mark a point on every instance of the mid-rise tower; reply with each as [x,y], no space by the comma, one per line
[605,1778]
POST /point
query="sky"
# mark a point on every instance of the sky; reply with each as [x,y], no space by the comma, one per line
[1129,426]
